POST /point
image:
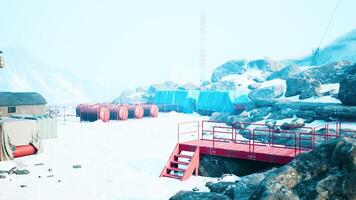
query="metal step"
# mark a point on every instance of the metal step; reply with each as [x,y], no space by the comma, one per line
[179,162]
[176,169]
[172,176]
[183,156]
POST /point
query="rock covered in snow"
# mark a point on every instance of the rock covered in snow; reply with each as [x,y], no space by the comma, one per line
[224,85]
[294,124]
[220,117]
[266,65]
[268,90]
[327,172]
[347,91]
[285,73]
[304,87]
[228,68]
[329,73]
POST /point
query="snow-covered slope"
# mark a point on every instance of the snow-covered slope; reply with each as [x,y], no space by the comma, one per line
[343,48]
[24,73]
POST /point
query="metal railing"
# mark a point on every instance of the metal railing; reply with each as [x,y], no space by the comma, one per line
[300,139]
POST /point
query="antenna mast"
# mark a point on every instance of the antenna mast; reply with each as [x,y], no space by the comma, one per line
[202,46]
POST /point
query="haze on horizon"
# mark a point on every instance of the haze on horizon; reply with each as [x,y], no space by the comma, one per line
[134,43]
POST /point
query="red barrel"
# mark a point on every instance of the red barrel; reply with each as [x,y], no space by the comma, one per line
[24,150]
[150,110]
[122,113]
[89,112]
[135,111]
[104,114]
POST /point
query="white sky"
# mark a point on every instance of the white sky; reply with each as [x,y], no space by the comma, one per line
[132,43]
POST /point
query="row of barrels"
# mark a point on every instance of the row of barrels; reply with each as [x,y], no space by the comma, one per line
[106,112]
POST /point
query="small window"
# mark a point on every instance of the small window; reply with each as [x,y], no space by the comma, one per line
[11,109]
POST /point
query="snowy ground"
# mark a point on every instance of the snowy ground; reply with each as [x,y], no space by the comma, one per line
[120,160]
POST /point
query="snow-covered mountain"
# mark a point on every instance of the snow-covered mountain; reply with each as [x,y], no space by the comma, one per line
[25,73]
[343,48]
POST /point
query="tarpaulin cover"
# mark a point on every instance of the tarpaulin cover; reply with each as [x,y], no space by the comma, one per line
[47,124]
[17,132]
[219,101]
[177,100]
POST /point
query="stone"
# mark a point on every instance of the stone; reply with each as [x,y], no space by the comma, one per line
[266,65]
[294,124]
[305,88]
[21,172]
[229,68]
[285,73]
[347,91]
[259,114]
[220,117]
[238,121]
[217,166]
[267,93]
[77,166]
[330,73]
[327,172]
[189,195]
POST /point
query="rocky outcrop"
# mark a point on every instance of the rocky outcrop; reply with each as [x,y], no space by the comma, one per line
[189,195]
[266,65]
[285,73]
[307,110]
[267,92]
[216,166]
[224,85]
[347,91]
[330,73]
[304,87]
[219,117]
[231,67]
[327,172]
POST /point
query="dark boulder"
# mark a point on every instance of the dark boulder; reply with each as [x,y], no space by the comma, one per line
[220,117]
[330,73]
[347,91]
[239,121]
[327,172]
[304,87]
[294,124]
[267,92]
[189,195]
[216,166]
[259,114]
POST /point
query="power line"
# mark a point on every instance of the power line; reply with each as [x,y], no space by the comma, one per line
[329,23]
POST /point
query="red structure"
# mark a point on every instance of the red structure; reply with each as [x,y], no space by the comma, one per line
[267,144]
[106,112]
[24,150]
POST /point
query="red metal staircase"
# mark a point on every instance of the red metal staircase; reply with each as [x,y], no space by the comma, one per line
[182,163]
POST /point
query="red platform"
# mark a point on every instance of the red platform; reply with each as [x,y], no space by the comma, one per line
[262,144]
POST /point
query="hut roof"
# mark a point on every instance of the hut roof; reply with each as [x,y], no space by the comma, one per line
[21,99]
